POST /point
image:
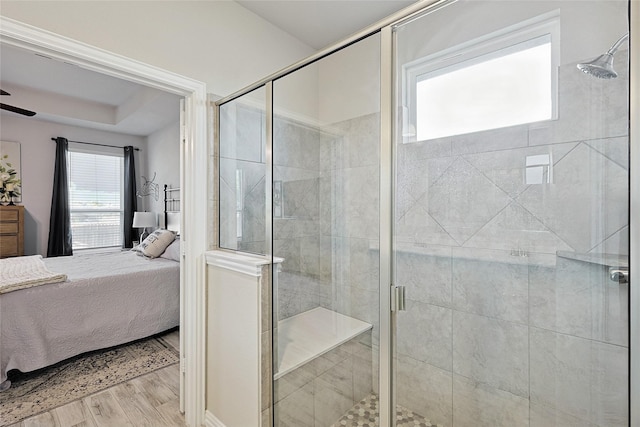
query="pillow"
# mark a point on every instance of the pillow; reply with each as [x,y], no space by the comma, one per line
[156,243]
[173,251]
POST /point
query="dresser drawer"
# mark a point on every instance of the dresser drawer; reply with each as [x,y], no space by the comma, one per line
[9,215]
[9,246]
[9,228]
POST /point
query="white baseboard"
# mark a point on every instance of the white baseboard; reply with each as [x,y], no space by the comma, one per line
[211,420]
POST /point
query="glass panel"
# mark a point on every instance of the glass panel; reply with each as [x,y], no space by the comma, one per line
[505,238]
[242,173]
[326,137]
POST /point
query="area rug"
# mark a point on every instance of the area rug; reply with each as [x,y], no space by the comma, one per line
[73,379]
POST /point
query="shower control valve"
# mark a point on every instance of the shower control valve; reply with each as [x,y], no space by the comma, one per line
[620,275]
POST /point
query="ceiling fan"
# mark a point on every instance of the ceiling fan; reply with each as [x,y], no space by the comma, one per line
[15,109]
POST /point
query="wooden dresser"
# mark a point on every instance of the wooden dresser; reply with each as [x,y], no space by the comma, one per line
[11,231]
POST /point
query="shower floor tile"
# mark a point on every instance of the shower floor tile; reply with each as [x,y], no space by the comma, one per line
[365,414]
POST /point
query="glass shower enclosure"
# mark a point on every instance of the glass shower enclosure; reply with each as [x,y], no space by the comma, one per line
[445,202]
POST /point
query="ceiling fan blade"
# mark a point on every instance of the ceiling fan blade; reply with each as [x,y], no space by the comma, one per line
[2,92]
[17,110]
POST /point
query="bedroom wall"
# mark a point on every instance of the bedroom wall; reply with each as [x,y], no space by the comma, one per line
[37,158]
[163,159]
[217,42]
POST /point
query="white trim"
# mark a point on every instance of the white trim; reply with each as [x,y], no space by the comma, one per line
[240,262]
[211,420]
[193,175]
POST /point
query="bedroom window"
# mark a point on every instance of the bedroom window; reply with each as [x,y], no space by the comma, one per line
[95,199]
[502,79]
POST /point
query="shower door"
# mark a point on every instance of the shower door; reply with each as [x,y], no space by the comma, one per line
[510,216]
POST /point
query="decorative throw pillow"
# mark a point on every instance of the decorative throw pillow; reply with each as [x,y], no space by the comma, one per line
[156,243]
[173,251]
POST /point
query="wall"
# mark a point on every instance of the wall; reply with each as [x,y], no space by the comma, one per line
[217,42]
[38,156]
[163,160]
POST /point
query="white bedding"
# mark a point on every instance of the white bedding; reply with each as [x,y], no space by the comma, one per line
[108,299]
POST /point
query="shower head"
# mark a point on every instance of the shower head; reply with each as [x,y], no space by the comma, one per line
[602,66]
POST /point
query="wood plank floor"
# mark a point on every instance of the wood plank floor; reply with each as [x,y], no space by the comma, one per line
[150,400]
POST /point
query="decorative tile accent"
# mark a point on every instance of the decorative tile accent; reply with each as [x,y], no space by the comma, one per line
[616,149]
[506,168]
[463,200]
[590,182]
[416,226]
[414,177]
[515,229]
[365,414]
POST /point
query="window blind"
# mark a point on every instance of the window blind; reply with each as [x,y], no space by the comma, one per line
[95,198]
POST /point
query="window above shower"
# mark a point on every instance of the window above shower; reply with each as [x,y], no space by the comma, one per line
[505,78]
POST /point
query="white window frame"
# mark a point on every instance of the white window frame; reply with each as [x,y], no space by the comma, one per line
[496,43]
[101,151]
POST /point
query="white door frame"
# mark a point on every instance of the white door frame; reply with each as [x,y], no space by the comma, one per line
[193,178]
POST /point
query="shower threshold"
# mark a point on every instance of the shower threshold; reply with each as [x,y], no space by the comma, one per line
[365,414]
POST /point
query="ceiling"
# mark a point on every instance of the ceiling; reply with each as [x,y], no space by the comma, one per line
[321,23]
[65,93]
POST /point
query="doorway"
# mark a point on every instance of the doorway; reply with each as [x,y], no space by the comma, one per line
[194,207]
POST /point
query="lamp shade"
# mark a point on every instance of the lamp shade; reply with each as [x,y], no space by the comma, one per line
[144,219]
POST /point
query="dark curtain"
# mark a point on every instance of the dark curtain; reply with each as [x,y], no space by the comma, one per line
[60,218]
[130,198]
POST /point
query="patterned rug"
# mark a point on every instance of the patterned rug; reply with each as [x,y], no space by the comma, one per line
[78,377]
[365,414]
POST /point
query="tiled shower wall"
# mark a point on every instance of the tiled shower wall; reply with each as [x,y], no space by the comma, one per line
[296,219]
[498,329]
[242,151]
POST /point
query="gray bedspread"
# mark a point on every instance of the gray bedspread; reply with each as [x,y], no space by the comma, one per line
[108,299]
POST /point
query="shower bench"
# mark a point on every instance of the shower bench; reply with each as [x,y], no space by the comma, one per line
[308,335]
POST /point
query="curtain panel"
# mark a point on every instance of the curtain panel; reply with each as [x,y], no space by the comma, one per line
[60,219]
[130,198]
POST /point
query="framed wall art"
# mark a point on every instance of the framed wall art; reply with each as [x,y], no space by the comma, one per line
[10,172]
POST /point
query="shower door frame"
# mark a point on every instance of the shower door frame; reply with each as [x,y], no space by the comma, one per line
[387,129]
[634,218]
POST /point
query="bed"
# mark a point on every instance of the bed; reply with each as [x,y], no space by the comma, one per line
[107,299]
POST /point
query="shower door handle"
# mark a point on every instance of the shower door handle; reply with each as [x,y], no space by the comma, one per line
[398,301]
